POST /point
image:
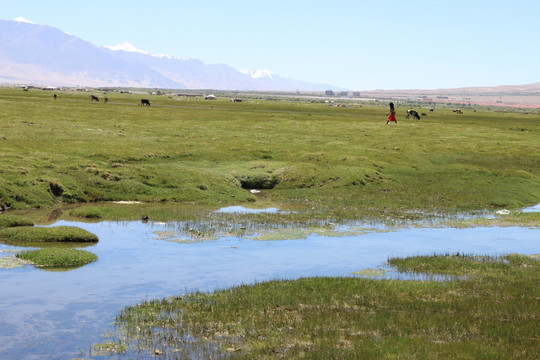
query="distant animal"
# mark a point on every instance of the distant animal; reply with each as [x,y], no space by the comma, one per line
[106,100]
[94,97]
[236,100]
[458,111]
[432,109]
[145,102]
[424,114]
[413,113]
[54,96]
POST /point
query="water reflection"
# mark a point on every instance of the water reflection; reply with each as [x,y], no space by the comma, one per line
[59,315]
[245,210]
[535,208]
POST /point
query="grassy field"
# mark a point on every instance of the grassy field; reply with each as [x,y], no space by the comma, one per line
[342,160]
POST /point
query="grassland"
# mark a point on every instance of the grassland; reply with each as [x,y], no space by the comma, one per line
[342,161]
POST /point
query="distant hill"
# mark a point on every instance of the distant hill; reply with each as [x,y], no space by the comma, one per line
[40,54]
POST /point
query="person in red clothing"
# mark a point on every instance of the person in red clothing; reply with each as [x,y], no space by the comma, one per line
[391,114]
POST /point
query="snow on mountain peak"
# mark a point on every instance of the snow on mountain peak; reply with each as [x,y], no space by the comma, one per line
[23,20]
[125,46]
[171,57]
[256,74]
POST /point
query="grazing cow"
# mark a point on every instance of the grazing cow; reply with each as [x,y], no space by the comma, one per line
[145,102]
[413,113]
[94,97]
[55,96]
[106,100]
[424,114]
[236,100]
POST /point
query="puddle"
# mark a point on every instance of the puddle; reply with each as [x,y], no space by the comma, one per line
[244,210]
[59,315]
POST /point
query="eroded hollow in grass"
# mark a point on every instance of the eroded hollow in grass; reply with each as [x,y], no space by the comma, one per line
[263,181]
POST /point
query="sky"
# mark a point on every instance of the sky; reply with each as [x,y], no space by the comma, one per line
[352,44]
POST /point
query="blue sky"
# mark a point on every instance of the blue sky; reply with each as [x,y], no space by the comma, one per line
[360,45]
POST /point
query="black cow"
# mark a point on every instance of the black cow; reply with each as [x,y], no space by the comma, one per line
[145,102]
[413,113]
[94,97]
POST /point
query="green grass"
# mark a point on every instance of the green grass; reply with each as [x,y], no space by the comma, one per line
[58,258]
[13,221]
[43,236]
[343,161]
[492,314]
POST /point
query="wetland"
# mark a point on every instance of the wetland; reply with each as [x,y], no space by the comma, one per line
[337,196]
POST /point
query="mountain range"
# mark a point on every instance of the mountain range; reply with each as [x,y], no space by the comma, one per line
[41,54]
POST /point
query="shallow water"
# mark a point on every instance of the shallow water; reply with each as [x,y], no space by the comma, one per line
[535,208]
[244,210]
[59,315]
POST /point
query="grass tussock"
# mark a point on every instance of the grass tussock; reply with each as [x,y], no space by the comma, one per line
[40,236]
[7,221]
[58,258]
[493,314]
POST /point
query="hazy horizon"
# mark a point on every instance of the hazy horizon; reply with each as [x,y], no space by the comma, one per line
[349,44]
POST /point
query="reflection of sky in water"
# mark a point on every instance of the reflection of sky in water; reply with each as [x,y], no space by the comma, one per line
[535,208]
[244,210]
[54,314]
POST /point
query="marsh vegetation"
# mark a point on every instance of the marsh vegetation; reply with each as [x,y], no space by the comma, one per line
[54,258]
[490,314]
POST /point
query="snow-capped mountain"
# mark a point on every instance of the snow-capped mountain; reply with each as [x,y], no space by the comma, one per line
[125,46]
[256,74]
[40,54]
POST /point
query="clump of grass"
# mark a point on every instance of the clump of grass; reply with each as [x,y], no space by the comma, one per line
[13,221]
[87,212]
[492,315]
[455,264]
[30,236]
[58,258]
